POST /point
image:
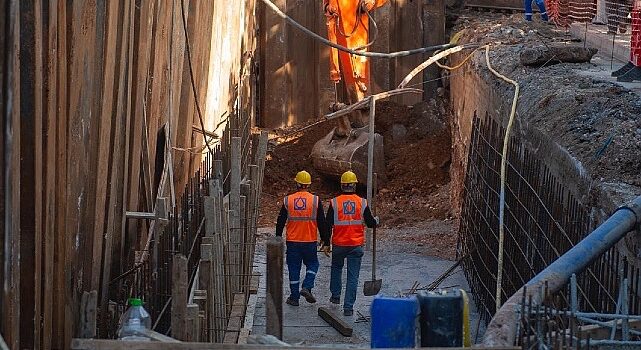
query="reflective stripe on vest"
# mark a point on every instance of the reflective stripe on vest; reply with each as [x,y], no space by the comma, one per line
[301,217]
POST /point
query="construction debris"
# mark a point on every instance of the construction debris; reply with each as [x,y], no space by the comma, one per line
[547,55]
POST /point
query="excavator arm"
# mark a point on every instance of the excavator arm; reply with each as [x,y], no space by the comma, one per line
[345,147]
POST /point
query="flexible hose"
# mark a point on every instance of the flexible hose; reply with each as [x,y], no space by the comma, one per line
[345,49]
[508,130]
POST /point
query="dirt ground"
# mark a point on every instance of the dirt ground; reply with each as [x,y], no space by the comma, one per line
[597,121]
[417,157]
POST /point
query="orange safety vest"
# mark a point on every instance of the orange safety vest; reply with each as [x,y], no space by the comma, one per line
[301,217]
[349,219]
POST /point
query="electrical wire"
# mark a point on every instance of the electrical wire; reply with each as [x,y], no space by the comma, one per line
[508,130]
[289,20]
[191,76]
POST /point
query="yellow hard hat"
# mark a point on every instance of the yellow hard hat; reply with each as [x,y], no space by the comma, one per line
[303,178]
[348,177]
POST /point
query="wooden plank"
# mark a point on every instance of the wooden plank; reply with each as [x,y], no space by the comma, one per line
[380,68]
[155,336]
[179,297]
[235,322]
[254,284]
[250,312]
[274,71]
[103,344]
[88,314]
[274,296]
[30,109]
[243,335]
[39,174]
[433,34]
[62,270]
[336,322]
[141,57]
[192,323]
[11,300]
[407,25]
[114,209]
[301,92]
[50,207]
[104,135]
[235,232]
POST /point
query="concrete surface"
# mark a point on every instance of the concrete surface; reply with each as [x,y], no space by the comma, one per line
[399,271]
[597,36]
[601,69]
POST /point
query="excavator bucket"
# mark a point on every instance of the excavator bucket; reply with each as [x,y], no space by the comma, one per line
[333,156]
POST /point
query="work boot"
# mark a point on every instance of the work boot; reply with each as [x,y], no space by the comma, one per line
[307,294]
[335,300]
[348,312]
[292,302]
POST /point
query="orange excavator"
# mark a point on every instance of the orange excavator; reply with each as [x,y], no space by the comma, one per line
[345,147]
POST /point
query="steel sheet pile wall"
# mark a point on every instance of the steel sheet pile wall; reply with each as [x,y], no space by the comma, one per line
[98,117]
[542,221]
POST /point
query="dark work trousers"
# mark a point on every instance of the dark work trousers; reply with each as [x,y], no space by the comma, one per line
[299,253]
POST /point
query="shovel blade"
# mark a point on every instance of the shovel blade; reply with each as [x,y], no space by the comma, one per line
[372,287]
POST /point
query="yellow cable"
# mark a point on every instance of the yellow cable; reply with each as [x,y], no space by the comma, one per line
[508,130]
[467,334]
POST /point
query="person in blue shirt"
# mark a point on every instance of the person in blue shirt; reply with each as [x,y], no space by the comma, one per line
[528,9]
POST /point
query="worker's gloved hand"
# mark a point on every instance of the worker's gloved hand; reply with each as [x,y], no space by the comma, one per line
[326,250]
[367,5]
[377,220]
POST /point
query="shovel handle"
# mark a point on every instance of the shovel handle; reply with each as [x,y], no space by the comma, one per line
[374,253]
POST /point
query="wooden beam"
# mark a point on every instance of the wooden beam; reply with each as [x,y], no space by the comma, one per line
[11,118]
[179,297]
[274,298]
[62,253]
[88,314]
[102,344]
[338,324]
[235,319]
[433,34]
[30,107]
[51,173]
[114,16]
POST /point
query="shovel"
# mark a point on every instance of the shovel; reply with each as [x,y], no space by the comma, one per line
[374,286]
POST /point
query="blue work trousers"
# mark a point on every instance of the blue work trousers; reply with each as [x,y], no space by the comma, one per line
[354,255]
[528,9]
[299,253]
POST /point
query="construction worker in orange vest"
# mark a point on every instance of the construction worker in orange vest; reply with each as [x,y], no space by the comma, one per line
[346,217]
[303,213]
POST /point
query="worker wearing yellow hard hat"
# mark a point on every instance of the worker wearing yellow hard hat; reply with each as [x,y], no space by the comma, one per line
[346,217]
[303,217]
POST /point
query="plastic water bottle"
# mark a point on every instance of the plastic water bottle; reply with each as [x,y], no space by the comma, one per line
[134,322]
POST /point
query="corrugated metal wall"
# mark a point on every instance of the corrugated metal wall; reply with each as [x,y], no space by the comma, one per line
[96,99]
